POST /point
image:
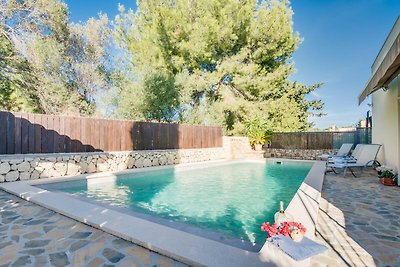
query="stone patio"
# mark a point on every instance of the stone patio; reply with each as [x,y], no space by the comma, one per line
[34,236]
[359,219]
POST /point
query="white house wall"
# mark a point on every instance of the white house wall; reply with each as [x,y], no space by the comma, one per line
[385,124]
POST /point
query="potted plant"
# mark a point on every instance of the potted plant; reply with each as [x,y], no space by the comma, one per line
[387,176]
[258,132]
[257,139]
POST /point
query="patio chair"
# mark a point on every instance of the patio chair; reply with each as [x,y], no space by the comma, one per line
[366,157]
[343,151]
[355,154]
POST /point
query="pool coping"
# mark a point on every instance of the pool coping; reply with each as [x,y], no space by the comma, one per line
[182,246]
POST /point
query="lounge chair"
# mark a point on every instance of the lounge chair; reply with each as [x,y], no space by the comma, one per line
[343,151]
[355,154]
[366,157]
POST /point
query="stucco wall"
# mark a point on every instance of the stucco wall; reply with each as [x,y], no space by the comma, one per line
[385,124]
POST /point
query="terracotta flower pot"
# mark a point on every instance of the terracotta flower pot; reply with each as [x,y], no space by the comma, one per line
[387,181]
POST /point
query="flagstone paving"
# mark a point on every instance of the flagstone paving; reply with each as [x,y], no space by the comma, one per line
[34,236]
[359,219]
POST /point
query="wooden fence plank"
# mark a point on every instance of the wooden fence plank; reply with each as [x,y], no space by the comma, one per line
[10,133]
[17,134]
[61,136]
[37,133]
[44,134]
[31,134]
[56,134]
[50,134]
[67,134]
[3,132]
[24,133]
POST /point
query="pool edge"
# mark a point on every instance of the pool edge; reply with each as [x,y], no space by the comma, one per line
[174,243]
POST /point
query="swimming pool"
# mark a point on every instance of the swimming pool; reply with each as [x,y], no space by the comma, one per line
[231,199]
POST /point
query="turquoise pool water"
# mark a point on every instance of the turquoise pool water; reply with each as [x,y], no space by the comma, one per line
[231,199]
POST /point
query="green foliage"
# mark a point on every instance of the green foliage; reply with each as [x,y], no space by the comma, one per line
[161,98]
[230,61]
[66,61]
[16,82]
[258,130]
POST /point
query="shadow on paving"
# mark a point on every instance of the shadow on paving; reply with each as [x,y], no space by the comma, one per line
[359,220]
[31,235]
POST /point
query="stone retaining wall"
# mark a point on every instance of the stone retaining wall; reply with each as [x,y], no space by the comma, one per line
[38,166]
[305,154]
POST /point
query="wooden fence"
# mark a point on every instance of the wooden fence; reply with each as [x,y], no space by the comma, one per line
[320,140]
[22,133]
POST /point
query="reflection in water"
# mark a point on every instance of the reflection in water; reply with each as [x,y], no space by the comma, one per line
[232,199]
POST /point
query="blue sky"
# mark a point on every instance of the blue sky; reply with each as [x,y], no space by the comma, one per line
[341,41]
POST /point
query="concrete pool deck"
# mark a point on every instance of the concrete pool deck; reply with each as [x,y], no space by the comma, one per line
[193,250]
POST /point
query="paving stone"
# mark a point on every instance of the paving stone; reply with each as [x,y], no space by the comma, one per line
[35,222]
[79,235]
[22,261]
[33,252]
[8,213]
[59,259]
[78,244]
[48,228]
[32,235]
[5,244]
[36,243]
[120,243]
[112,255]
[9,219]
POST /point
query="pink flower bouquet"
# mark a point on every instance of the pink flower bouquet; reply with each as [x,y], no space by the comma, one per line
[293,229]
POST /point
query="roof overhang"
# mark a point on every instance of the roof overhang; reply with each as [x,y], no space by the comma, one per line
[387,70]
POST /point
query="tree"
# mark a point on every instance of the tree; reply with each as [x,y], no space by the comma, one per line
[230,60]
[68,61]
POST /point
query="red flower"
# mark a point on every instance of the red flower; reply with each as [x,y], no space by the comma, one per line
[284,228]
[271,229]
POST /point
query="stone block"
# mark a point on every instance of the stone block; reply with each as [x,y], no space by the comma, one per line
[91,167]
[16,161]
[35,175]
[72,167]
[12,176]
[24,166]
[46,165]
[51,159]
[5,168]
[23,176]
[146,162]
[83,166]
[61,168]
[121,166]
[102,167]
[130,161]
[139,163]
[35,162]
[155,162]
[2,178]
